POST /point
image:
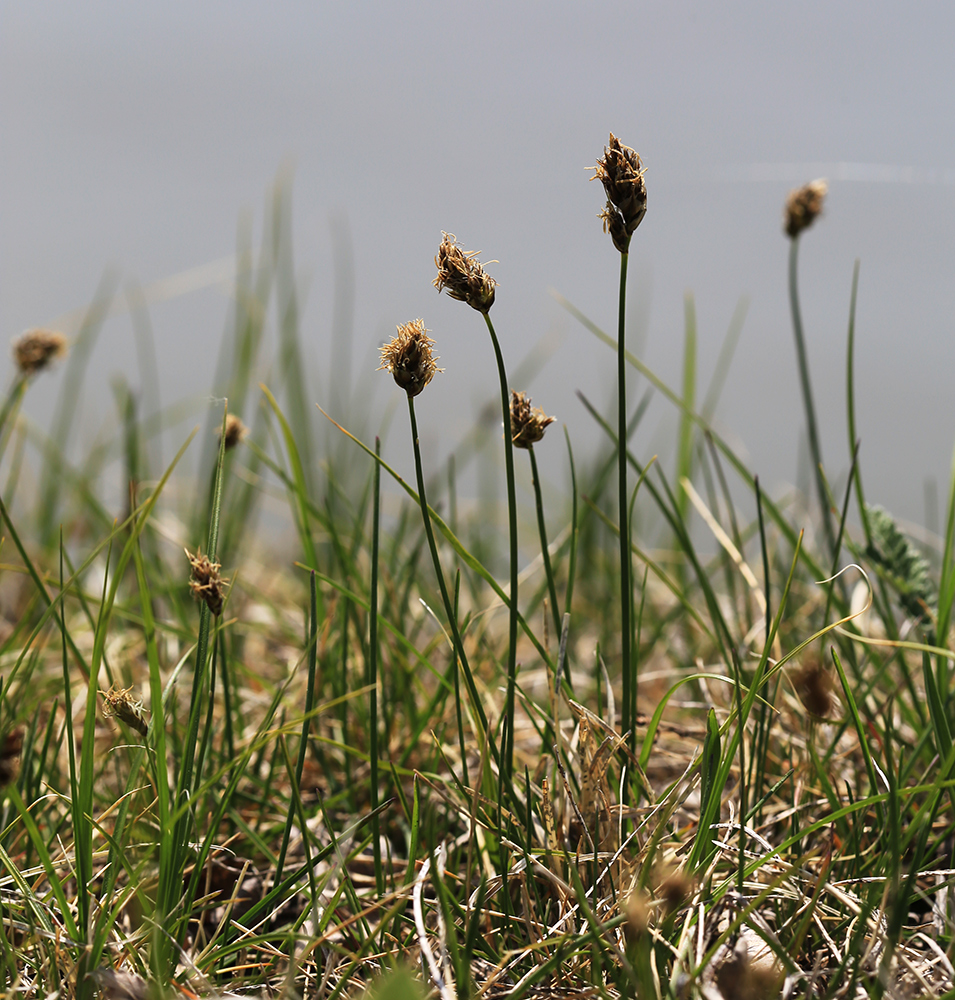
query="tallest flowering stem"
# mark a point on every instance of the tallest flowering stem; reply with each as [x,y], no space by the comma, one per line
[463,277]
[621,173]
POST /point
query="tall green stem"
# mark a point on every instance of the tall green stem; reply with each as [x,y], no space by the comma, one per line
[811,426]
[545,554]
[507,762]
[629,699]
[448,606]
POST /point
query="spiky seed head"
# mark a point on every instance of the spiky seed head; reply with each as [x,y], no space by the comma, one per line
[205,582]
[527,424]
[409,359]
[462,275]
[120,703]
[621,173]
[235,431]
[803,206]
[35,349]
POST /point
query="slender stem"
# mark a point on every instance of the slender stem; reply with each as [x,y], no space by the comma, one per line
[507,762]
[448,606]
[541,527]
[625,584]
[811,426]
[371,678]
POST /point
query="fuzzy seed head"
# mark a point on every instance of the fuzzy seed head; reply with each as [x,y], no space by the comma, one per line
[527,424]
[205,582]
[11,747]
[814,688]
[235,431]
[119,703]
[803,206]
[638,917]
[409,359]
[462,275]
[621,173]
[36,349]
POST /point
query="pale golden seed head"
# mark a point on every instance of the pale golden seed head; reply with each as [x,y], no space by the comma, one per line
[37,348]
[527,424]
[205,582]
[621,173]
[638,916]
[120,704]
[235,431]
[409,359]
[803,206]
[462,275]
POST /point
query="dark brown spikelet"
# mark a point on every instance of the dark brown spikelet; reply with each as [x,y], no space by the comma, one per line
[527,424]
[120,704]
[235,431]
[621,173]
[10,748]
[814,688]
[804,206]
[205,582]
[462,275]
[37,348]
[409,359]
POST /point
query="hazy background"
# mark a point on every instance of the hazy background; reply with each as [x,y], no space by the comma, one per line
[133,136]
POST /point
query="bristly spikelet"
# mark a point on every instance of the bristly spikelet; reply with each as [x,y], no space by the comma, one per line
[621,173]
[409,359]
[462,275]
[235,431]
[804,206]
[527,424]
[120,704]
[36,349]
[205,582]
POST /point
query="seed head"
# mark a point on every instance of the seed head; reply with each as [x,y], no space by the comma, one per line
[462,275]
[235,431]
[205,582]
[621,173]
[814,687]
[409,359]
[120,703]
[37,348]
[11,747]
[527,425]
[803,206]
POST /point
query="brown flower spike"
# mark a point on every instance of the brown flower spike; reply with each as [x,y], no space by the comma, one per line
[462,275]
[205,582]
[409,359]
[621,173]
[121,704]
[527,425]
[37,348]
[803,206]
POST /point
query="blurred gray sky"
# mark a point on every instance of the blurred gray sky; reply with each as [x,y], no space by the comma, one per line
[134,135]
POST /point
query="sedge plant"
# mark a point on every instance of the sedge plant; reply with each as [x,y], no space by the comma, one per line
[620,170]
[463,277]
